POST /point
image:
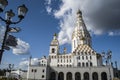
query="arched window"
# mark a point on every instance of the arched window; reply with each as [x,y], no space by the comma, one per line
[79,64]
[104,76]
[86,76]
[86,64]
[69,76]
[83,65]
[87,57]
[77,76]
[91,64]
[78,57]
[83,57]
[95,76]
[53,50]
[61,76]
[90,57]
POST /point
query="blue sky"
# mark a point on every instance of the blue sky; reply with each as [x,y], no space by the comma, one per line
[46,17]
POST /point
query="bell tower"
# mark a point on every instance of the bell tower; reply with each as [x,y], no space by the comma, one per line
[54,46]
[80,35]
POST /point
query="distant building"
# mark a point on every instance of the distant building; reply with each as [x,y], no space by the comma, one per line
[19,74]
[83,63]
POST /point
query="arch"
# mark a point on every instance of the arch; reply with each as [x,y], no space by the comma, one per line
[69,76]
[86,64]
[61,76]
[79,64]
[91,64]
[95,76]
[83,65]
[52,76]
[53,50]
[77,76]
[86,76]
[103,76]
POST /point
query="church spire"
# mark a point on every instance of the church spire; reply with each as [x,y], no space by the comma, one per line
[80,34]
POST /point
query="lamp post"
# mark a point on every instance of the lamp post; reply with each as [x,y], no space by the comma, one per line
[11,66]
[107,56]
[22,10]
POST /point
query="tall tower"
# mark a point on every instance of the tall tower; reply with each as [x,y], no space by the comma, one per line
[54,46]
[80,35]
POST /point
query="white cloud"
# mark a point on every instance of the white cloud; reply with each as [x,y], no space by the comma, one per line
[97,15]
[67,16]
[21,48]
[24,63]
[49,9]
[111,33]
[48,6]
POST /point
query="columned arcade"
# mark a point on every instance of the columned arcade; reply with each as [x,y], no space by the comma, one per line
[91,73]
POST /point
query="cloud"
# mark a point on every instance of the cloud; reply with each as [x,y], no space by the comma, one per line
[99,16]
[21,48]
[48,6]
[116,33]
[24,63]
[49,9]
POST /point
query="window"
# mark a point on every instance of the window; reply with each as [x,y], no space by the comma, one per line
[53,50]
[42,76]
[86,57]
[83,57]
[43,70]
[83,64]
[90,63]
[35,70]
[79,64]
[86,64]
[90,57]
[32,70]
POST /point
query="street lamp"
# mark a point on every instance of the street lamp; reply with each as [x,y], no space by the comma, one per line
[22,10]
[11,66]
[108,57]
[3,4]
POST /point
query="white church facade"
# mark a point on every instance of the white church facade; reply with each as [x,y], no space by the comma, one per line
[83,63]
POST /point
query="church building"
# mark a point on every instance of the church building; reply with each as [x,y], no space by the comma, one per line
[82,63]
